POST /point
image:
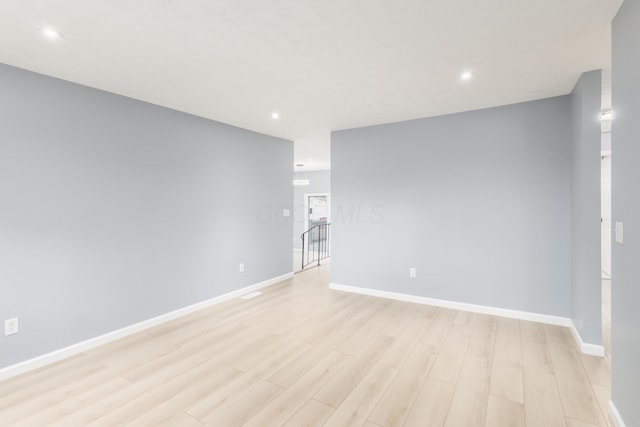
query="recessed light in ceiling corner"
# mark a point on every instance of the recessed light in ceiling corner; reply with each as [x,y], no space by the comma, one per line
[275,115]
[466,76]
[51,33]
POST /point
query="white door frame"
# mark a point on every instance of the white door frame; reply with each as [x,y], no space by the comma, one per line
[306,207]
[605,197]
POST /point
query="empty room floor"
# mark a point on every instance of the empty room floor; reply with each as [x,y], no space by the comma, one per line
[303,355]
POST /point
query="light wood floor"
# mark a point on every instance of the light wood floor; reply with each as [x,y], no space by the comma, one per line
[304,355]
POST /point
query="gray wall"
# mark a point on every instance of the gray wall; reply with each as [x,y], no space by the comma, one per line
[478,202]
[319,182]
[113,211]
[586,301]
[625,182]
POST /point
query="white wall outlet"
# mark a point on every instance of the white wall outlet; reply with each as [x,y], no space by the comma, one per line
[412,272]
[11,326]
[286,212]
[241,267]
[619,233]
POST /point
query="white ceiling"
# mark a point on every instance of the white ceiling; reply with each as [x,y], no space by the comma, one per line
[323,65]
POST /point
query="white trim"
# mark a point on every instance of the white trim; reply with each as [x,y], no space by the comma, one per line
[592,349]
[502,312]
[483,309]
[63,353]
[615,415]
[586,348]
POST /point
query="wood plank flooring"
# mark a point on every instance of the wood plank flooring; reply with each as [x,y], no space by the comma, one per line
[304,355]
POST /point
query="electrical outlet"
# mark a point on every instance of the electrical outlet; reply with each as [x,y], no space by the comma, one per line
[412,272]
[11,326]
[241,268]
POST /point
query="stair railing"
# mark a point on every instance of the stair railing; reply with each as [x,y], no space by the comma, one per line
[316,244]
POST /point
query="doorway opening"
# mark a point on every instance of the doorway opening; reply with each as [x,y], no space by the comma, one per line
[313,210]
[317,209]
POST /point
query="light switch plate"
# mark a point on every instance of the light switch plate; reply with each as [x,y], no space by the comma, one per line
[241,267]
[286,212]
[619,233]
[11,326]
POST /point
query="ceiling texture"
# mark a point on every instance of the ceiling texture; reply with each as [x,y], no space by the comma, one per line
[322,65]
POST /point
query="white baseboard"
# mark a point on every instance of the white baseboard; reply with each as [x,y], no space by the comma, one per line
[615,415]
[63,353]
[586,348]
[502,312]
[593,349]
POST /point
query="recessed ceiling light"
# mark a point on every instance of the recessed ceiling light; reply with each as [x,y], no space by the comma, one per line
[275,116]
[466,76]
[51,33]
